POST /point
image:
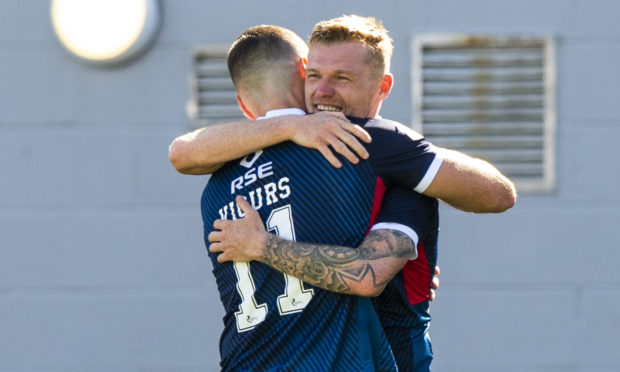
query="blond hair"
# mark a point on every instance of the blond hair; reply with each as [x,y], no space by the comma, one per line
[352,28]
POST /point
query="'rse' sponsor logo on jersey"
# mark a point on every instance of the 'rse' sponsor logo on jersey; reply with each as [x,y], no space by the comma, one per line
[251,176]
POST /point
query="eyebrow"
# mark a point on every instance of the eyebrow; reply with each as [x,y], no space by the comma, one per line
[336,72]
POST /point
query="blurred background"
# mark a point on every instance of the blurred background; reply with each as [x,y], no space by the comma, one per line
[102,260]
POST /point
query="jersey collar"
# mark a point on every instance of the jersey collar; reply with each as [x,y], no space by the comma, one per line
[282,112]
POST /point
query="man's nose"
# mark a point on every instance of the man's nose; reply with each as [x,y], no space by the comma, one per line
[324,87]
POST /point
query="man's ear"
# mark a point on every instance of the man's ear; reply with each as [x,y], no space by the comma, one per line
[244,109]
[301,67]
[386,85]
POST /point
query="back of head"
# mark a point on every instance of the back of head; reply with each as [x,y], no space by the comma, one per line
[262,55]
[352,28]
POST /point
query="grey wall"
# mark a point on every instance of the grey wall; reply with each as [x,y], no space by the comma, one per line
[102,264]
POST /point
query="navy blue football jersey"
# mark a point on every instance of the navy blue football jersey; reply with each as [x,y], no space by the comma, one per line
[274,321]
[301,197]
[399,155]
[403,307]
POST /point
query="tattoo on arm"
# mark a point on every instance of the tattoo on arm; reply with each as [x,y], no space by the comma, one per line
[334,267]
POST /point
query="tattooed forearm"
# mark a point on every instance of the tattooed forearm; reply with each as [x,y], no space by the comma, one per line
[340,269]
[388,243]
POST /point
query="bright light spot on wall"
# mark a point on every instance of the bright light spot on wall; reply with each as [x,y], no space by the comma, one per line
[107,31]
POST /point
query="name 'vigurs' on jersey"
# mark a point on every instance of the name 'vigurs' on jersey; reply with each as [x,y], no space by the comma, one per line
[274,321]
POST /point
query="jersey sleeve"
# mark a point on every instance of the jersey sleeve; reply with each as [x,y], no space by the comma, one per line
[401,156]
[407,211]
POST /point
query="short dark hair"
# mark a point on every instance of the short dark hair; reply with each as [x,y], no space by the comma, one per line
[259,47]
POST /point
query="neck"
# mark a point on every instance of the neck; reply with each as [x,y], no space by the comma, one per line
[275,102]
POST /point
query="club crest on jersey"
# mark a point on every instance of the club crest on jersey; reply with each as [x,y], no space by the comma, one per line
[249,159]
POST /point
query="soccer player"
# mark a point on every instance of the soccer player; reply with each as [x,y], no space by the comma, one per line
[275,321]
[343,269]
[466,183]
[356,86]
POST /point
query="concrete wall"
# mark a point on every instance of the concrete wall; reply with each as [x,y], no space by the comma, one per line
[102,264]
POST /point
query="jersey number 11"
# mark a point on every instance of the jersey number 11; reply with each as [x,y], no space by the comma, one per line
[295,297]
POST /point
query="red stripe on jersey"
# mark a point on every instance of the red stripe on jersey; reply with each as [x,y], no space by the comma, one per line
[376,202]
[417,277]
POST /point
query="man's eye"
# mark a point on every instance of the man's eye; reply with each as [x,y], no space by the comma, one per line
[312,76]
[342,78]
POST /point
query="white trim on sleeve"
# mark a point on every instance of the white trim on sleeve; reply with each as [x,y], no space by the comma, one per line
[402,228]
[430,174]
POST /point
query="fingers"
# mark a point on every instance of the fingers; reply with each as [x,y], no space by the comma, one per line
[344,144]
[346,141]
[434,284]
[329,155]
[333,115]
[221,257]
[215,247]
[218,248]
[358,132]
[221,224]
[215,236]
[435,281]
[332,133]
[350,135]
[244,205]
[225,238]
[341,147]
[340,121]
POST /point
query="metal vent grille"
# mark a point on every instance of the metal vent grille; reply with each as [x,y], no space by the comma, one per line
[212,93]
[489,97]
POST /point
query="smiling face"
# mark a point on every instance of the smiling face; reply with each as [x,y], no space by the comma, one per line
[339,77]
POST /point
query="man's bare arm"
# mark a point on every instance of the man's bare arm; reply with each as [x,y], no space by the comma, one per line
[363,271]
[205,150]
[471,184]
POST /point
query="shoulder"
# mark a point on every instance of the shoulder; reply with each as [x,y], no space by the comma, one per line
[392,128]
[386,128]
